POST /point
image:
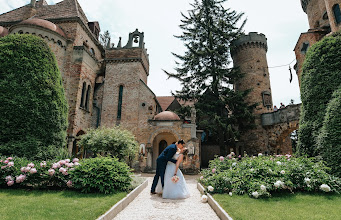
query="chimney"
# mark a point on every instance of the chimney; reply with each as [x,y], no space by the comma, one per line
[33,3]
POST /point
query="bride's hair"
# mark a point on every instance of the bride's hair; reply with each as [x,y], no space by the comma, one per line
[184,151]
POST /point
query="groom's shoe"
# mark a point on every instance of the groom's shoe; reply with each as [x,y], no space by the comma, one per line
[152,193]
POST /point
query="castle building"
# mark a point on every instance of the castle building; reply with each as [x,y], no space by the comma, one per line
[103,86]
[324,17]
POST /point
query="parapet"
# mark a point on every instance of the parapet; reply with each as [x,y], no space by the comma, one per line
[251,40]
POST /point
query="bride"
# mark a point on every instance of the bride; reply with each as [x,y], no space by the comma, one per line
[173,190]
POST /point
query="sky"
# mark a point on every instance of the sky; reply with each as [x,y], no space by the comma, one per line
[282,22]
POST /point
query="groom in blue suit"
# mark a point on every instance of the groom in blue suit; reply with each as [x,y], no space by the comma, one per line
[162,160]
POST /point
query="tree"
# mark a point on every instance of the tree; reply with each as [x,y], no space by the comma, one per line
[320,78]
[33,105]
[105,38]
[205,73]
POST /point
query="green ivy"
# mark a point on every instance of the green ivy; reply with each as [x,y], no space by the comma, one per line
[33,105]
[320,78]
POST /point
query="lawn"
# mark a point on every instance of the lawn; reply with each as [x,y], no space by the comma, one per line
[282,206]
[48,204]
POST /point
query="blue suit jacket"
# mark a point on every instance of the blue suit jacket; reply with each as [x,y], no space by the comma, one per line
[167,154]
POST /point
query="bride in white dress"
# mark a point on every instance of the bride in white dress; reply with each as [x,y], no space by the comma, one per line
[171,190]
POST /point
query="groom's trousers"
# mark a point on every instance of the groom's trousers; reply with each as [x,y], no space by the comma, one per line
[160,173]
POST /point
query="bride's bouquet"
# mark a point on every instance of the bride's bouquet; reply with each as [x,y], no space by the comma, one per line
[175,179]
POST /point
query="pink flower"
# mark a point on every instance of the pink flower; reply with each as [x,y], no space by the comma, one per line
[20,178]
[77,164]
[213,170]
[6,161]
[30,165]
[229,156]
[10,183]
[27,169]
[239,156]
[232,154]
[62,169]
[69,183]
[43,164]
[23,169]
[33,170]
[75,160]
[62,162]
[0,161]
[67,160]
[69,164]
[201,177]
[221,158]
[3,167]
[51,172]
[10,164]
[9,158]
[8,178]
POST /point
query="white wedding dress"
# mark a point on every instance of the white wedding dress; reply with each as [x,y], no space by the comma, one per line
[178,190]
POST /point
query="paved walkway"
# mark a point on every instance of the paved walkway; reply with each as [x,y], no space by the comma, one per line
[146,206]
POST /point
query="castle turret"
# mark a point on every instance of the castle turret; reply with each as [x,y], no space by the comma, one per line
[249,54]
[317,13]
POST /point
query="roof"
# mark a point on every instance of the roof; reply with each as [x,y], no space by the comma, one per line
[45,24]
[167,116]
[63,9]
[165,101]
[3,31]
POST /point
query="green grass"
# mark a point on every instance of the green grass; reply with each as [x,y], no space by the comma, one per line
[48,204]
[282,206]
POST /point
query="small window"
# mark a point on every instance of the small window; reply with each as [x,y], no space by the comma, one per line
[337,13]
[92,51]
[83,94]
[87,101]
[20,32]
[59,43]
[305,47]
[120,97]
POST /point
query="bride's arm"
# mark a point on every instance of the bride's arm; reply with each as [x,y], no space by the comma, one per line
[181,156]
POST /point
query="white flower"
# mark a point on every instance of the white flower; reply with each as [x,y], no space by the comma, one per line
[203,198]
[33,170]
[255,194]
[278,184]
[210,188]
[263,188]
[234,164]
[325,188]
[232,154]
[270,170]
[279,163]
[230,193]
[30,165]
[307,180]
[67,160]
[282,171]
[252,169]
[260,154]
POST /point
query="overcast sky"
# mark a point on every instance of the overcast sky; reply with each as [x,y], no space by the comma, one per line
[281,21]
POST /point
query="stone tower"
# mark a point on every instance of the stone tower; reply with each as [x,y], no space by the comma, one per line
[249,54]
[324,16]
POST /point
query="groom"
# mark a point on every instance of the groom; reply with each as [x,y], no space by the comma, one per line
[162,160]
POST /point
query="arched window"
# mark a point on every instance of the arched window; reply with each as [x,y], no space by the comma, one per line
[337,13]
[83,94]
[120,96]
[86,106]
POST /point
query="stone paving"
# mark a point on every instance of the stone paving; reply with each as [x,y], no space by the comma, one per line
[146,206]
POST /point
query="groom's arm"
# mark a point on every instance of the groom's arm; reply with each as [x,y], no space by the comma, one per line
[170,154]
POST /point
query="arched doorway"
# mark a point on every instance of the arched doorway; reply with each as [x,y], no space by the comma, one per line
[160,142]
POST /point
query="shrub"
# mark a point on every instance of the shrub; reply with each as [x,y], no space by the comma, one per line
[329,141]
[263,175]
[101,174]
[320,78]
[33,104]
[118,142]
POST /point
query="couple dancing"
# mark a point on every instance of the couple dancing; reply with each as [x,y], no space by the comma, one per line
[167,167]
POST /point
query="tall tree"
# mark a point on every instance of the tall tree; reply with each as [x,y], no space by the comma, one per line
[205,73]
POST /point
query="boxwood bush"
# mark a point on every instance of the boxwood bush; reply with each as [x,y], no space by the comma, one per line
[33,105]
[263,175]
[329,141]
[101,174]
[320,78]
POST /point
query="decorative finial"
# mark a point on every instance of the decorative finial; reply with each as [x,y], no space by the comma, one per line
[119,45]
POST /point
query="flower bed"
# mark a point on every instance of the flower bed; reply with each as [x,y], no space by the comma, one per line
[102,174]
[260,176]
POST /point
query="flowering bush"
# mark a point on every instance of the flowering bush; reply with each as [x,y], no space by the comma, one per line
[263,175]
[101,174]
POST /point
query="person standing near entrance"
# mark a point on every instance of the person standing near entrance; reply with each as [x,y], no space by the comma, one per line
[162,160]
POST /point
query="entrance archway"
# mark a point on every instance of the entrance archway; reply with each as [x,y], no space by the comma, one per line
[160,142]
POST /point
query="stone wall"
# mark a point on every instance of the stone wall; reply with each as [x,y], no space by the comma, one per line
[329,6]
[315,10]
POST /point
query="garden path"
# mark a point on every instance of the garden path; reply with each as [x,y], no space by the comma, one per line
[146,206]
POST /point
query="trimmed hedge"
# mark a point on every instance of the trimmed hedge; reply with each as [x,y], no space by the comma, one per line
[329,141]
[320,78]
[33,105]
